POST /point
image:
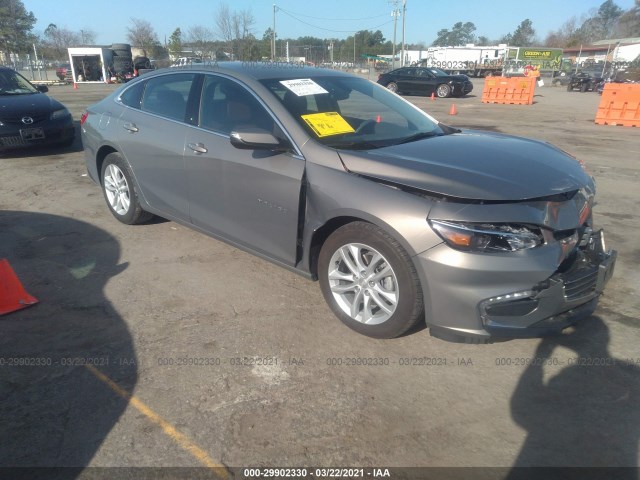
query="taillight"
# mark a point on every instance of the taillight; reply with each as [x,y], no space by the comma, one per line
[84,117]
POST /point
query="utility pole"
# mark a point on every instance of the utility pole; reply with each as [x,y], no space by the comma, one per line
[354,49]
[404,14]
[273,35]
[394,14]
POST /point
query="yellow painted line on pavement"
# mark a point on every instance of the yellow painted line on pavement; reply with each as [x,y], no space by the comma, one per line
[179,438]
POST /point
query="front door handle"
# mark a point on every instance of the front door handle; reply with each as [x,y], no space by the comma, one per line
[131,127]
[198,148]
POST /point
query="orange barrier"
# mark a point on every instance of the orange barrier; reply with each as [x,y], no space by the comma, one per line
[620,105]
[512,90]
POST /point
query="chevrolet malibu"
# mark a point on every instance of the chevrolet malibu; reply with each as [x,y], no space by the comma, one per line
[402,219]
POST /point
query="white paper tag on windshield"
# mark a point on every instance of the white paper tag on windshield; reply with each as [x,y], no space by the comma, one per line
[303,86]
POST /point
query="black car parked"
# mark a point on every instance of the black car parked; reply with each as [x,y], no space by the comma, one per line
[425,81]
[28,117]
[586,79]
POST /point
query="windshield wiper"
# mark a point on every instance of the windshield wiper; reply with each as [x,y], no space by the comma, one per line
[354,145]
[419,136]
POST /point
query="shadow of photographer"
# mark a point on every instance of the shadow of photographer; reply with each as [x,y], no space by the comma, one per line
[55,412]
[587,415]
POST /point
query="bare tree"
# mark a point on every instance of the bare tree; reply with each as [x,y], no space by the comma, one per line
[224,24]
[564,36]
[236,31]
[57,40]
[200,39]
[141,34]
[87,36]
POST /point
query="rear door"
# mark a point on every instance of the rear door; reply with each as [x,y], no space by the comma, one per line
[250,197]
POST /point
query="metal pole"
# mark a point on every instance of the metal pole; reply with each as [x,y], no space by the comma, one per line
[404,14]
[354,49]
[273,35]
[395,25]
[577,59]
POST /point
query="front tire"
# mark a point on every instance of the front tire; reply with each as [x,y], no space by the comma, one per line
[443,91]
[120,192]
[369,281]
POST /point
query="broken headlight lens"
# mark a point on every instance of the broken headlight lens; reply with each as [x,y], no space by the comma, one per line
[483,237]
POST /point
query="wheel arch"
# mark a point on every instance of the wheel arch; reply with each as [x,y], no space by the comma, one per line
[101,154]
[322,232]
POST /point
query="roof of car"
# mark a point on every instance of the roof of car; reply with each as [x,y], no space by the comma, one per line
[260,70]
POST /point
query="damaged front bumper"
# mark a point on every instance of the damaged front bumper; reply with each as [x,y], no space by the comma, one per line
[516,299]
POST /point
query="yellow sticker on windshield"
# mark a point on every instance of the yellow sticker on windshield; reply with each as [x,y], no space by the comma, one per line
[327,123]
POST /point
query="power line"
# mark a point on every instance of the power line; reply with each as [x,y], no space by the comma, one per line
[322,18]
[328,29]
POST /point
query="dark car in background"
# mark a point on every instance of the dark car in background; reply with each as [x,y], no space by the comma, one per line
[401,218]
[28,117]
[588,78]
[425,81]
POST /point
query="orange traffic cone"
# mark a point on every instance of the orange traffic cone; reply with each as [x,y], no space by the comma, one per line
[453,110]
[433,96]
[12,294]
[75,86]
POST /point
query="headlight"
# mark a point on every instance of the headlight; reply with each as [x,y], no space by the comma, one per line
[483,237]
[56,114]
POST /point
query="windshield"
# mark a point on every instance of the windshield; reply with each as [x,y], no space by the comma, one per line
[351,112]
[12,83]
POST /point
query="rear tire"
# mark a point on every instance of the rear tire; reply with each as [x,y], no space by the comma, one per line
[369,281]
[120,192]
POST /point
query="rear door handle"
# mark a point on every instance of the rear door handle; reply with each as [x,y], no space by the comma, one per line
[131,127]
[198,148]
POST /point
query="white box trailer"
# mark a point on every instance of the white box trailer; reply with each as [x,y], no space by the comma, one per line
[472,60]
[90,64]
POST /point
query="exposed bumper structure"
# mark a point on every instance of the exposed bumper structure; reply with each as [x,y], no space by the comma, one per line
[492,297]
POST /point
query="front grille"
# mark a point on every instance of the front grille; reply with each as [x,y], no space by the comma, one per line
[581,284]
[18,120]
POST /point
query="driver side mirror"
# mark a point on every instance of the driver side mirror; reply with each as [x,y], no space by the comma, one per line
[252,138]
[42,88]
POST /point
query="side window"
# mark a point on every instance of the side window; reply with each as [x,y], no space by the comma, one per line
[226,105]
[132,96]
[167,95]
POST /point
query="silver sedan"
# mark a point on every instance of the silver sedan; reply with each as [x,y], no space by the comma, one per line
[401,218]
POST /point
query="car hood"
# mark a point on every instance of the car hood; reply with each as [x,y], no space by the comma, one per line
[473,165]
[30,104]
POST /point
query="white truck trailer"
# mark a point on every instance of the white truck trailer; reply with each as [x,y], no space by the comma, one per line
[472,60]
[481,61]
